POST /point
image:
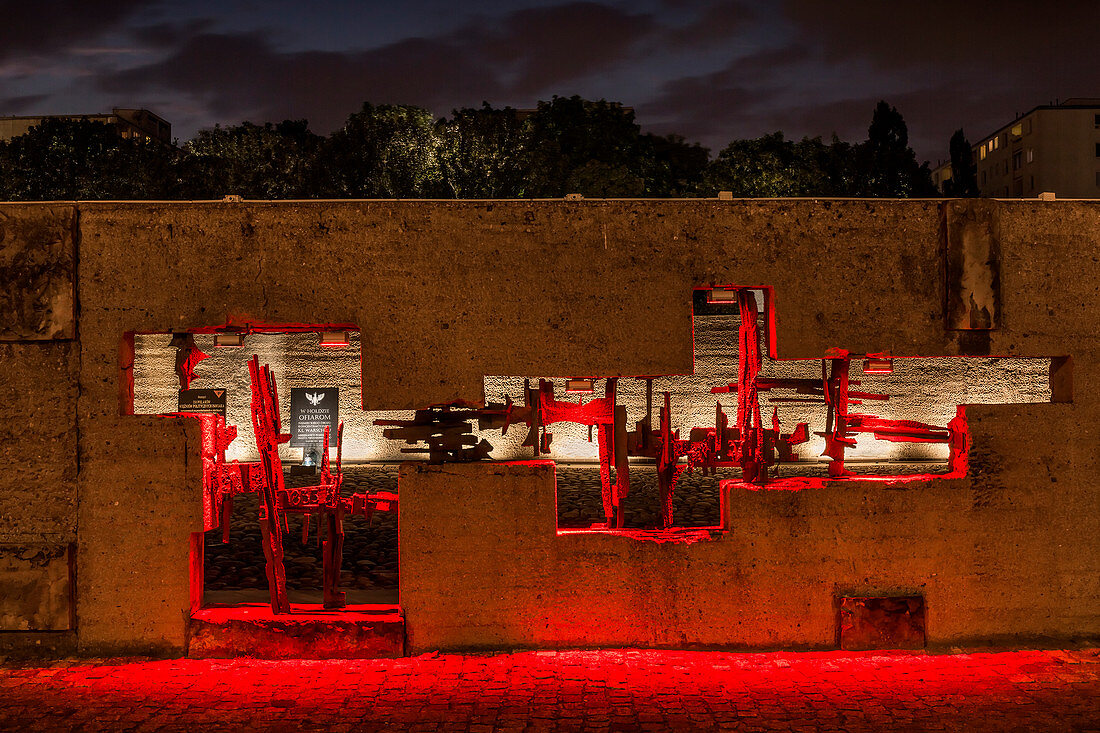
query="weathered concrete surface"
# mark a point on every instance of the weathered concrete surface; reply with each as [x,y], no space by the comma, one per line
[38,272]
[446,292]
[35,588]
[973,262]
[513,287]
[140,500]
[38,442]
[482,565]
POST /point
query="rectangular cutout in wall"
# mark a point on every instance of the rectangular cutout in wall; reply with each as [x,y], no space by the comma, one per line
[881,622]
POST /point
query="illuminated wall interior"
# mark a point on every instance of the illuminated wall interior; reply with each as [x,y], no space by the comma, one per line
[922,389]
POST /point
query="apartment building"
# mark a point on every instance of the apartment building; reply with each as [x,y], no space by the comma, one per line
[1053,148]
[130,123]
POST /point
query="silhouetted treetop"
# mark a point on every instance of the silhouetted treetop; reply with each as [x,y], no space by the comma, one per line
[565,145]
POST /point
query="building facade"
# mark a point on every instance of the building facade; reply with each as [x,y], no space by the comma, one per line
[130,123]
[1052,148]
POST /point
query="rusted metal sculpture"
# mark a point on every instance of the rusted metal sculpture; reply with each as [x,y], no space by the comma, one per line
[223,480]
[188,355]
[609,419]
[749,443]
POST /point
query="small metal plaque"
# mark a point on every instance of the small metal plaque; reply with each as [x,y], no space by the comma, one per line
[202,400]
[312,409]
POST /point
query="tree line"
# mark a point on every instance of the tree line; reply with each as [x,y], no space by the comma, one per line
[566,145]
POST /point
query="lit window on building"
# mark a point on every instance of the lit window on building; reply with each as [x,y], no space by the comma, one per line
[1018,130]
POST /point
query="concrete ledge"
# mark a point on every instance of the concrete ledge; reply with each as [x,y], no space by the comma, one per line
[251,630]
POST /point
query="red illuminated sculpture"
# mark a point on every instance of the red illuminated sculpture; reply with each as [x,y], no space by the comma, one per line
[222,480]
[750,444]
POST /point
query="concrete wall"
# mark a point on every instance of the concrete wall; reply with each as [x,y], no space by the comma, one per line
[39,460]
[448,292]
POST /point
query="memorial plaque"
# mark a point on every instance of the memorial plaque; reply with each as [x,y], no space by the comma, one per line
[202,400]
[312,409]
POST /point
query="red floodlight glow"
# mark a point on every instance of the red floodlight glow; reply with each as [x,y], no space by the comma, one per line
[878,365]
[334,338]
[722,295]
[579,386]
[230,338]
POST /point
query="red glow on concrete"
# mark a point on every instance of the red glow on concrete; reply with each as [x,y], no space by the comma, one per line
[685,536]
[300,612]
[307,631]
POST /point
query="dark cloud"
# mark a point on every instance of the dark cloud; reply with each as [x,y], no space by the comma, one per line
[1009,34]
[170,35]
[724,104]
[948,64]
[803,67]
[516,57]
[241,75]
[20,104]
[714,22]
[550,45]
[50,26]
[944,65]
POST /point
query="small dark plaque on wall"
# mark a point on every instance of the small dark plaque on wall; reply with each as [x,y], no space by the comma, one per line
[202,400]
[312,409]
[881,622]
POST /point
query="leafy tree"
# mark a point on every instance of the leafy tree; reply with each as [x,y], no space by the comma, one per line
[887,165]
[673,166]
[578,146]
[254,161]
[79,159]
[771,166]
[388,151]
[481,153]
[964,174]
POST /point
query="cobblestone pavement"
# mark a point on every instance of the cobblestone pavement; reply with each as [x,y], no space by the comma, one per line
[565,691]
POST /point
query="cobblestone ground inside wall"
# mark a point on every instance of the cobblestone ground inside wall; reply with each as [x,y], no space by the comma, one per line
[566,691]
[370,549]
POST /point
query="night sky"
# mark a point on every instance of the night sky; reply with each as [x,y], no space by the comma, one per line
[711,71]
